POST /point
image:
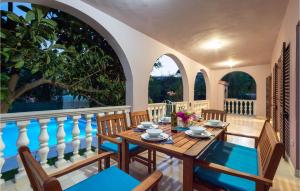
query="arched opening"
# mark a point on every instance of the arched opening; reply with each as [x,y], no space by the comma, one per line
[166,81]
[241,85]
[200,87]
[240,93]
[99,69]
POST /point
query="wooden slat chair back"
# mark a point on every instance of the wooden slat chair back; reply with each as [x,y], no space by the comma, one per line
[138,116]
[110,125]
[270,151]
[209,114]
[39,179]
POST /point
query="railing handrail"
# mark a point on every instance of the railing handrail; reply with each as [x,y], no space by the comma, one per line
[21,116]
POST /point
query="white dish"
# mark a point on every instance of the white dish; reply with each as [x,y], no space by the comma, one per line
[219,125]
[147,124]
[165,120]
[204,134]
[151,127]
[214,122]
[154,132]
[161,137]
[197,129]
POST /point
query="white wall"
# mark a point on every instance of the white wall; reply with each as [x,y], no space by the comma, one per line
[259,73]
[287,34]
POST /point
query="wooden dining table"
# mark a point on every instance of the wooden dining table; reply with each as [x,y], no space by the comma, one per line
[183,147]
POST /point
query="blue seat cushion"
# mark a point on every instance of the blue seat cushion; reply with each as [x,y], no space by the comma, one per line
[240,158]
[113,147]
[110,179]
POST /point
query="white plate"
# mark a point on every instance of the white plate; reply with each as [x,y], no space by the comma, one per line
[205,134]
[221,124]
[161,137]
[152,127]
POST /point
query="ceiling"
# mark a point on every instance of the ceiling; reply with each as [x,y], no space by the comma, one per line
[247,29]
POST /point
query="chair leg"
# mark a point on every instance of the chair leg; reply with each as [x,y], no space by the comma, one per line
[154,160]
[99,162]
[106,163]
[149,161]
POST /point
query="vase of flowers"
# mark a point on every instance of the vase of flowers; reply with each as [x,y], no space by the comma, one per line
[186,117]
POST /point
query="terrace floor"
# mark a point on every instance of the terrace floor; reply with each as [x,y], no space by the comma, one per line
[172,168]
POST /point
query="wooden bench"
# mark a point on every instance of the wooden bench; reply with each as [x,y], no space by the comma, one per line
[227,166]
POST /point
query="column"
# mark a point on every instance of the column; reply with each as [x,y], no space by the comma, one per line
[75,141]
[21,141]
[2,146]
[60,147]
[88,135]
[43,140]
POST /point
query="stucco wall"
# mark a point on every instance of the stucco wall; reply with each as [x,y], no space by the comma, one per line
[259,73]
[287,34]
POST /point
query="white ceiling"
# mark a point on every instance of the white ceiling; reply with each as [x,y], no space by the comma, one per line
[248,27]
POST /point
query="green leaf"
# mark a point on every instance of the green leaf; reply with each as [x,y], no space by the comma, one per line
[19,64]
[47,59]
[2,35]
[13,17]
[24,8]
[29,16]
[49,22]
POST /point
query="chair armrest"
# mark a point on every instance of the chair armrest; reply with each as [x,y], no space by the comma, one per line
[150,182]
[111,139]
[81,164]
[226,170]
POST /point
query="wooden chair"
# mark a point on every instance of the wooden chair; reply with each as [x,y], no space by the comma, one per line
[104,180]
[135,119]
[233,167]
[209,114]
[108,127]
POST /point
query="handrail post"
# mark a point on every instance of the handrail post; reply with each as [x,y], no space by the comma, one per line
[2,146]
[75,139]
[43,140]
[88,134]
[61,145]
[21,141]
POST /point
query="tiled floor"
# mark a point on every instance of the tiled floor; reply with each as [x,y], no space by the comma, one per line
[172,168]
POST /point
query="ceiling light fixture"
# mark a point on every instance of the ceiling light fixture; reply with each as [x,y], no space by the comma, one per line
[213,44]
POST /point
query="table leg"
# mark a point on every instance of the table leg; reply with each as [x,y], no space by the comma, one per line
[125,156]
[188,164]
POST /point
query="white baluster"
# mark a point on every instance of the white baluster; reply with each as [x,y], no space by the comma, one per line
[76,140]
[22,141]
[88,134]
[60,147]
[2,146]
[43,140]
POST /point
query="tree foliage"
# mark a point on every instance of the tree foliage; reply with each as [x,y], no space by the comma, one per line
[48,46]
[241,85]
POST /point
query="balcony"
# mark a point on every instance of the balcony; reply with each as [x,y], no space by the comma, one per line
[211,45]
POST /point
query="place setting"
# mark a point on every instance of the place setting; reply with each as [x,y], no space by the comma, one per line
[215,124]
[143,126]
[198,132]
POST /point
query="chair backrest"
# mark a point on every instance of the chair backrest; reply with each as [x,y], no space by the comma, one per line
[138,116]
[38,178]
[110,125]
[214,114]
[270,151]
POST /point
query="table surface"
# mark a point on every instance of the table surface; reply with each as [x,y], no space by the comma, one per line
[182,143]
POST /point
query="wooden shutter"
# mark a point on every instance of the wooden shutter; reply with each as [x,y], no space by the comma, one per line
[285,98]
[275,97]
[268,97]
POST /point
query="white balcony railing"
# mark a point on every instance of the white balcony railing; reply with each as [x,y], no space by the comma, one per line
[240,107]
[157,111]
[43,118]
[197,106]
[75,129]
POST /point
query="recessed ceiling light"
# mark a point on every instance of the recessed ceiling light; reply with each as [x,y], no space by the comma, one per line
[229,63]
[213,44]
